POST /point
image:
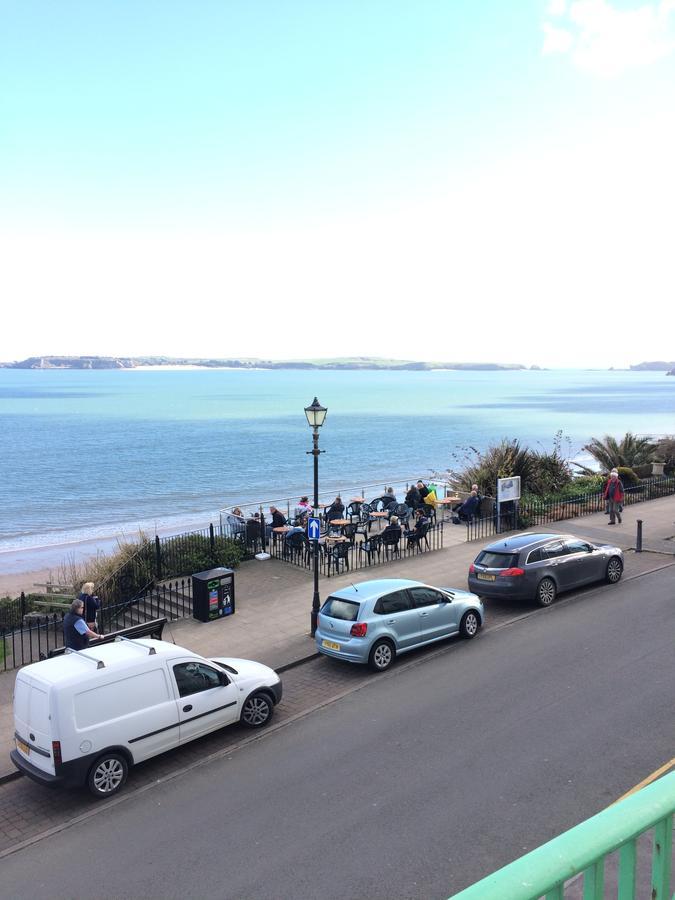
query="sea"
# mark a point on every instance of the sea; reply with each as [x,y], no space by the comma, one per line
[88,456]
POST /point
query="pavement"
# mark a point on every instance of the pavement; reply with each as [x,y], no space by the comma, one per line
[273,599]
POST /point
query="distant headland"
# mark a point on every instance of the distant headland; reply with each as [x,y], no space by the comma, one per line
[657,366]
[137,362]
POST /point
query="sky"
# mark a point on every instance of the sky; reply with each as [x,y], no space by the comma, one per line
[437,180]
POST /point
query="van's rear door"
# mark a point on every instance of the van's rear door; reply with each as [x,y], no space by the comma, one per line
[31,722]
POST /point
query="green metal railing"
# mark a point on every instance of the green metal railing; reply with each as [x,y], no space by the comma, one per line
[583,849]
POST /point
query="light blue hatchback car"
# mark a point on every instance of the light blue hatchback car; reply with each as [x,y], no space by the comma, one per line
[373,622]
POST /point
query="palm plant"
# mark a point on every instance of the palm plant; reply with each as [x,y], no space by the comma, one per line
[502,460]
[630,451]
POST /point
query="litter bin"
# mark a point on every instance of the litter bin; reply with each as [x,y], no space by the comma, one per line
[213,594]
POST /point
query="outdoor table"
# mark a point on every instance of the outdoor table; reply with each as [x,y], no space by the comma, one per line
[379,515]
[447,501]
[357,500]
[280,529]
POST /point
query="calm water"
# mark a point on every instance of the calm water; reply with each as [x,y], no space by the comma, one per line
[87,454]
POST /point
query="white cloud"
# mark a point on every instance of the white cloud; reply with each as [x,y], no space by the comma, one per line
[556,40]
[605,40]
[557,8]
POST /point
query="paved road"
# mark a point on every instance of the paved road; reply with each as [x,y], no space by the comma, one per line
[415,786]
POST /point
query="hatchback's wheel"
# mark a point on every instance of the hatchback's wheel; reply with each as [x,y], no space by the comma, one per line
[257,711]
[382,655]
[469,625]
[107,775]
[614,570]
[546,592]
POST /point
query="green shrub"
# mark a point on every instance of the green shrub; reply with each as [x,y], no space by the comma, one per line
[193,553]
[628,476]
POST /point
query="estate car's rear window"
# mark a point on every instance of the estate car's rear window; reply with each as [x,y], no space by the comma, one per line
[497,560]
[341,609]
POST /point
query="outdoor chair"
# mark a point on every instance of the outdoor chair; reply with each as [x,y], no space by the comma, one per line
[416,537]
[253,536]
[366,519]
[430,512]
[372,546]
[350,532]
[339,554]
[403,512]
[297,547]
[353,512]
[390,543]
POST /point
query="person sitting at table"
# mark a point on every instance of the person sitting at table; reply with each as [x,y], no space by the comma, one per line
[393,528]
[412,498]
[236,522]
[336,510]
[278,518]
[468,509]
[474,487]
[303,508]
[388,499]
[422,523]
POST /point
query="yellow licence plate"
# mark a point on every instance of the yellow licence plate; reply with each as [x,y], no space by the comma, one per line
[23,746]
[330,645]
[482,576]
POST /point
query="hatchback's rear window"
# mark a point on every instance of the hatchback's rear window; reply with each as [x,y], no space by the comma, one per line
[341,609]
[497,560]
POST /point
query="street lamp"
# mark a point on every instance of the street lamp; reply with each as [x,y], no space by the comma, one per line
[316,416]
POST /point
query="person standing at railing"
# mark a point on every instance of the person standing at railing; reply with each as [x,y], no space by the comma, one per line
[76,633]
[91,604]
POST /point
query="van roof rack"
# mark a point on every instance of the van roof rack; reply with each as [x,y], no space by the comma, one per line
[82,655]
[151,650]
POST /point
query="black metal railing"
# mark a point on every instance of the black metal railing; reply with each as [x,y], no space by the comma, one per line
[32,641]
[536,513]
[337,557]
[39,633]
[172,600]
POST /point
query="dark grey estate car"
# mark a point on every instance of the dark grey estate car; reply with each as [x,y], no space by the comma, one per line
[539,566]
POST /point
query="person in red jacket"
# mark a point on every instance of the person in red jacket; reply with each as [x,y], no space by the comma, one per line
[614,496]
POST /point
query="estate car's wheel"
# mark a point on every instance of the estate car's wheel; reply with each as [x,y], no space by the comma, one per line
[614,570]
[107,775]
[546,592]
[382,655]
[469,625]
[257,711]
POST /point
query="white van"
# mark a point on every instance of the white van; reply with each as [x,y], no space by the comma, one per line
[85,717]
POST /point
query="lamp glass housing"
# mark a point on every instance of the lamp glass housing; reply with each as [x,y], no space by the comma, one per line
[316,414]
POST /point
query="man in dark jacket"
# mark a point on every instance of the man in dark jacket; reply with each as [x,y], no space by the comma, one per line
[469,508]
[76,635]
[412,498]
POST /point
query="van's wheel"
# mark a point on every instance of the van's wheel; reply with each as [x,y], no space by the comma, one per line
[614,570]
[546,592]
[469,625]
[256,711]
[107,775]
[382,655]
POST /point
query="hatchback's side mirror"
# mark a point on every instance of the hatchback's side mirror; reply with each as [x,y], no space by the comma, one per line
[223,679]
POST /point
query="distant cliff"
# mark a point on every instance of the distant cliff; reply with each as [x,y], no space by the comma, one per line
[657,366]
[359,362]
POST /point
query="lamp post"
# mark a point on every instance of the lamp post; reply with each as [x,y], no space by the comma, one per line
[316,415]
